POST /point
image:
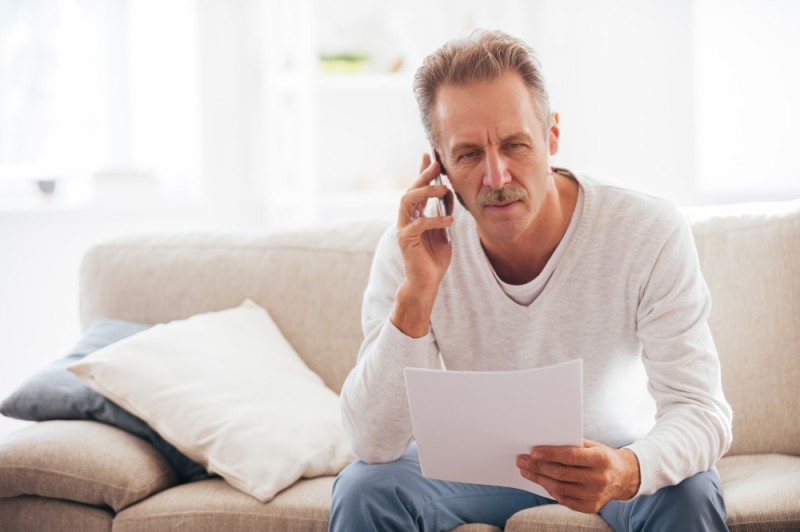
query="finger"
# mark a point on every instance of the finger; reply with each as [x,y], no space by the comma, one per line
[553,470]
[414,200]
[427,171]
[426,162]
[587,506]
[559,472]
[561,490]
[556,488]
[449,200]
[412,205]
[571,456]
[417,227]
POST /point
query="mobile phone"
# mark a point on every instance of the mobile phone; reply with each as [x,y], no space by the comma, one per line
[440,205]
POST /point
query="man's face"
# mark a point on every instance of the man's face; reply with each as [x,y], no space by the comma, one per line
[496,152]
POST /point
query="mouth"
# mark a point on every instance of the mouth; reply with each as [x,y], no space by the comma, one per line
[501,204]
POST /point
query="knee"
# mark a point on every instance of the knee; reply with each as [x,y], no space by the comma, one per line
[697,492]
[697,503]
[359,482]
[362,486]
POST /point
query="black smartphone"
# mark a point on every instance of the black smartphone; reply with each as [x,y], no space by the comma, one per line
[441,204]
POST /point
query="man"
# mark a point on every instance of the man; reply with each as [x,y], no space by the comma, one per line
[543,267]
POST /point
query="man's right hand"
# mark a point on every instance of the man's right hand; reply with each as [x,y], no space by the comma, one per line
[426,252]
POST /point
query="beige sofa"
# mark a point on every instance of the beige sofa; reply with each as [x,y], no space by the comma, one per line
[82,475]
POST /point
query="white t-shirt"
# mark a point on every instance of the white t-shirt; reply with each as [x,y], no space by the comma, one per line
[524,294]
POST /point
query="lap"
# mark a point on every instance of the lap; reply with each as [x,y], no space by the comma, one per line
[430,504]
[395,496]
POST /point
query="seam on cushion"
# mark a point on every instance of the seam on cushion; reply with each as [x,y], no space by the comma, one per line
[764,521]
[79,477]
[91,515]
[572,526]
[123,518]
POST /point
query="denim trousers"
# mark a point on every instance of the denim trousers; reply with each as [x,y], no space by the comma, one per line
[396,497]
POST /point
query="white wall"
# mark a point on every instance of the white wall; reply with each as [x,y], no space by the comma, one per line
[42,250]
[747,109]
[620,75]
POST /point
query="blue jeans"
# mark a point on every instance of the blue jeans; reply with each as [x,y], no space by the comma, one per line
[395,496]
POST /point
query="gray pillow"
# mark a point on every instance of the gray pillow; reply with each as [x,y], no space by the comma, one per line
[55,393]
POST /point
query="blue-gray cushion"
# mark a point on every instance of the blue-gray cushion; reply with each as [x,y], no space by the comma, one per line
[55,393]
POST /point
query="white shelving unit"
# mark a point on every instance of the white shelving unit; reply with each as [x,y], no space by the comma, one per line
[337,144]
[386,82]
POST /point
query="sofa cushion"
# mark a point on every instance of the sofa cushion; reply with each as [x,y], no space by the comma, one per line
[554,517]
[227,389]
[762,492]
[55,393]
[81,461]
[211,505]
[40,513]
[750,257]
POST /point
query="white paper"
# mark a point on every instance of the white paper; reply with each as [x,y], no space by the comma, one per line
[471,425]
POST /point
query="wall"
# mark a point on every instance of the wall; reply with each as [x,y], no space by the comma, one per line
[620,76]
[42,250]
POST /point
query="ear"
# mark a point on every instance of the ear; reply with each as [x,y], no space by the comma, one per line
[553,135]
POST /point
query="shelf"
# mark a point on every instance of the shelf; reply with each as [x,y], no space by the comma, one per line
[366,82]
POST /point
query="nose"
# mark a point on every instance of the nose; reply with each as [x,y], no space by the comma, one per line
[497,174]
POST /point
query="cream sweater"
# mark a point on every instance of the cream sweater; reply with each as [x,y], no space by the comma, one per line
[626,295]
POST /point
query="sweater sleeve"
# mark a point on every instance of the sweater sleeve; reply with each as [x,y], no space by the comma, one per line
[693,420]
[375,409]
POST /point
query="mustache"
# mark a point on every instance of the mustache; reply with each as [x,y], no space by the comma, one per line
[502,195]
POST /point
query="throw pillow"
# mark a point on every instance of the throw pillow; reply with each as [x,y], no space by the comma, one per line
[228,390]
[55,393]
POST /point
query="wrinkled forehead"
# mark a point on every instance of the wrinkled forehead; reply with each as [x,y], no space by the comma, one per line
[475,112]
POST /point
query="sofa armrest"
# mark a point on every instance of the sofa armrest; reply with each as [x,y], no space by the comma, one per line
[81,461]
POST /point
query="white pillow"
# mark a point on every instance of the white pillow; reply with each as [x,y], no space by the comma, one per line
[228,390]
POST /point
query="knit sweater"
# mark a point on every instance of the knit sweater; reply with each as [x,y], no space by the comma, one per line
[626,295]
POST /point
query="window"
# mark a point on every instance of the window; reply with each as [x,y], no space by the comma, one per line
[746,106]
[100,96]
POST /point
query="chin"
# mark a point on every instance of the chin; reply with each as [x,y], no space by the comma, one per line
[502,231]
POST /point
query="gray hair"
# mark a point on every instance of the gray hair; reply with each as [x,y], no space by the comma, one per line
[482,56]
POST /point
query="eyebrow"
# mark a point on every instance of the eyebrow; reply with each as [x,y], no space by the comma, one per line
[517,137]
[514,137]
[462,146]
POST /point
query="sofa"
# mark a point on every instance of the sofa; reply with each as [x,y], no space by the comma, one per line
[84,475]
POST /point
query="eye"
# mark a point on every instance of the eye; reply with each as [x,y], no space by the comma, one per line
[468,155]
[515,146]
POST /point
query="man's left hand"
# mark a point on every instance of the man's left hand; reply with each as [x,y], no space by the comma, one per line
[583,478]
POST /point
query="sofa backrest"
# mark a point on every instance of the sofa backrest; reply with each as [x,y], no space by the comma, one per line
[750,258]
[310,281]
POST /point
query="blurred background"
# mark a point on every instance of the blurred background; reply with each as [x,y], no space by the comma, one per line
[130,116]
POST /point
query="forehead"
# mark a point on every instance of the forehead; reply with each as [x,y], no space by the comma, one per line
[484,111]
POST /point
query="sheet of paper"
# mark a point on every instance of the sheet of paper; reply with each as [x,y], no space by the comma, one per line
[471,425]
